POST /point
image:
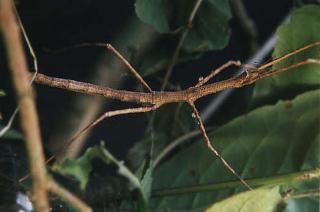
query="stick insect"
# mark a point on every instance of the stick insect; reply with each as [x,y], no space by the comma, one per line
[152,100]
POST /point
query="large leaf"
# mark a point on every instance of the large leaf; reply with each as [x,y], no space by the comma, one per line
[302,29]
[81,167]
[210,27]
[271,140]
[264,199]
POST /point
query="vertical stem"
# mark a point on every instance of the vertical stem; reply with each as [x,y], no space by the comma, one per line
[28,114]
[180,43]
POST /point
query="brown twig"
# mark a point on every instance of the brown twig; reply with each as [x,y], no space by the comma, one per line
[65,195]
[28,114]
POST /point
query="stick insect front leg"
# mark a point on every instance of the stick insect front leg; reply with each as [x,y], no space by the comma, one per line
[114,51]
[223,67]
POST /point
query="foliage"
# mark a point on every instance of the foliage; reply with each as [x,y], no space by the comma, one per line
[247,142]
[209,30]
[291,36]
[262,199]
[81,167]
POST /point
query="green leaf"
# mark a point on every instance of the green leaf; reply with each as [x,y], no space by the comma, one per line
[154,13]
[302,29]
[147,182]
[209,29]
[264,199]
[81,167]
[270,140]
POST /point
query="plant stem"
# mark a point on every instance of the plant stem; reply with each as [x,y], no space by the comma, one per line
[28,114]
[304,194]
[180,43]
[65,195]
[265,181]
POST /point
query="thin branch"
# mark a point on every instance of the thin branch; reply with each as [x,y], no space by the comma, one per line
[179,45]
[28,114]
[26,38]
[301,194]
[264,181]
[9,124]
[210,146]
[68,197]
[174,59]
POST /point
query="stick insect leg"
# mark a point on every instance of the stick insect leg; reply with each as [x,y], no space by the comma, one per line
[129,66]
[204,133]
[215,72]
[265,73]
[277,60]
[107,114]
[118,55]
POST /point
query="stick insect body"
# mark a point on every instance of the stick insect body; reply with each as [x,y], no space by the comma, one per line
[152,100]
